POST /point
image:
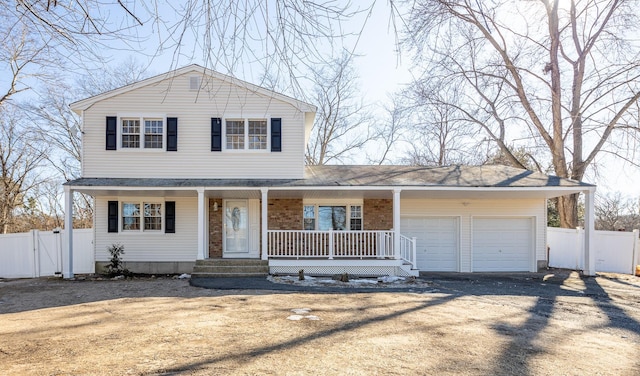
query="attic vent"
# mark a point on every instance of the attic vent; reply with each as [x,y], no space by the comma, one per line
[194,83]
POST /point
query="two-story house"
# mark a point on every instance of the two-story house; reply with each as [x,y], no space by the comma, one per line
[195,165]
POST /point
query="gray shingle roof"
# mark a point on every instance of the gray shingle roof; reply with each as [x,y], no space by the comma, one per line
[364,176]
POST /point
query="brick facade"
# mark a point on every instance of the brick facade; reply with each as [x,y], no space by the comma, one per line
[285,214]
[378,214]
[215,229]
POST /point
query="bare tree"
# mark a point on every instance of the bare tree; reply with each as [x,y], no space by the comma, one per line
[286,37]
[341,125]
[111,77]
[440,135]
[562,78]
[614,212]
[20,158]
[23,57]
[388,130]
[57,126]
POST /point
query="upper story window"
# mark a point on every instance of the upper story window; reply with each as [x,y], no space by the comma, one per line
[132,133]
[246,134]
[258,134]
[153,134]
[235,134]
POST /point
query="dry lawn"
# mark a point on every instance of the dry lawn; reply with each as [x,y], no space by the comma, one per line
[167,327]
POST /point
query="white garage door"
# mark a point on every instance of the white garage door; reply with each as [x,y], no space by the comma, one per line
[437,242]
[502,244]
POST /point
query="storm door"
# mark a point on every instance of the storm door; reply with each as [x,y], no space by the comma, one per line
[236,228]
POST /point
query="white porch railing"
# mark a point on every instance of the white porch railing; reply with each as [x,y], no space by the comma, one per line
[339,244]
[408,250]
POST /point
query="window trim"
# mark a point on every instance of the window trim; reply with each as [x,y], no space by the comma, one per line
[347,203]
[141,202]
[245,119]
[142,118]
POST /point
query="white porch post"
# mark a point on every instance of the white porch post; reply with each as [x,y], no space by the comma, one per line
[264,225]
[202,254]
[68,231]
[589,228]
[396,223]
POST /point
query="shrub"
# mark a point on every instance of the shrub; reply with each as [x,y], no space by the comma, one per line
[115,266]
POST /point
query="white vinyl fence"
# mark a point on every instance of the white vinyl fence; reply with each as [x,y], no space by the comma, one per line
[616,252]
[42,253]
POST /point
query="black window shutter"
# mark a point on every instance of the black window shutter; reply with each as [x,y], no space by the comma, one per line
[112,130]
[276,134]
[172,134]
[216,134]
[170,217]
[112,212]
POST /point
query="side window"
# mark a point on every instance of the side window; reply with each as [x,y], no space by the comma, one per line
[309,217]
[356,218]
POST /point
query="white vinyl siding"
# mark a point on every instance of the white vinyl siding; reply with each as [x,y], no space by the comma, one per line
[194,110]
[150,245]
[467,209]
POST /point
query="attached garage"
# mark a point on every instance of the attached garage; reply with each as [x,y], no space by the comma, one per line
[436,242]
[503,244]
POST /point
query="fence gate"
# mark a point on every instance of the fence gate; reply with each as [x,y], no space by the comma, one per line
[41,253]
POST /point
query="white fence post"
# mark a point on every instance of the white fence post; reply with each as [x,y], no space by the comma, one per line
[35,247]
[636,251]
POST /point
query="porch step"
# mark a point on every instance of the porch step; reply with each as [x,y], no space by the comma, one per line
[225,268]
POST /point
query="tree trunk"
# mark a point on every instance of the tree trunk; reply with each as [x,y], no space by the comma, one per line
[568,211]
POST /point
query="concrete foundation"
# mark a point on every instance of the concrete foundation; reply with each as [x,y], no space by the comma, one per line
[176,267]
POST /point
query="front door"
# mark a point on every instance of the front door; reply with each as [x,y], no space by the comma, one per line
[236,228]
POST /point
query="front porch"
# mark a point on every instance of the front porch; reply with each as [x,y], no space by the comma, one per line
[362,253]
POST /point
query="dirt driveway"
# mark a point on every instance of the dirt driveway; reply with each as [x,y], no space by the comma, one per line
[554,324]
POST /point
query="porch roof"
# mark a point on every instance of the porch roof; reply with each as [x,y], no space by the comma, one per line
[344,177]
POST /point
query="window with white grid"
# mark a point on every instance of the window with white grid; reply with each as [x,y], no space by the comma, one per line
[130,133]
[234,130]
[149,219]
[153,134]
[152,216]
[325,217]
[257,134]
[130,216]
